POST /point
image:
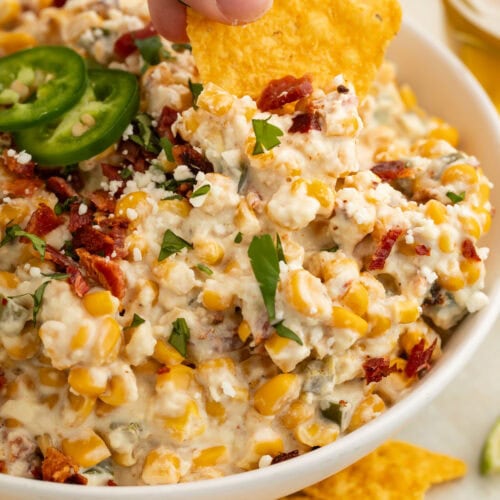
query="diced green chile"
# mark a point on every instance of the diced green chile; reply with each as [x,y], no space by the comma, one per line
[111,99]
[63,76]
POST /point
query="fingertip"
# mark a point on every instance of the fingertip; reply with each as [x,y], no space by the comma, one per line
[169,19]
[244,11]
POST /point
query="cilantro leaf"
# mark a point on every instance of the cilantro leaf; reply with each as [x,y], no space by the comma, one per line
[126,173]
[179,336]
[285,332]
[56,276]
[145,137]
[172,244]
[136,321]
[167,147]
[266,136]
[180,47]
[196,89]
[456,198]
[201,191]
[332,249]
[65,205]
[204,269]
[279,249]
[15,231]
[265,266]
[238,238]
[149,49]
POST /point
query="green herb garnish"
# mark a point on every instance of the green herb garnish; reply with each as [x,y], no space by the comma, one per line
[172,244]
[238,238]
[180,47]
[204,269]
[179,336]
[332,249]
[167,147]
[456,198]
[56,276]
[285,332]
[279,249]
[15,231]
[201,191]
[196,89]
[126,173]
[136,321]
[266,136]
[64,206]
[149,49]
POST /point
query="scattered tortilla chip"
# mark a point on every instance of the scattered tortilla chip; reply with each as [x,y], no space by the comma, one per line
[317,37]
[395,471]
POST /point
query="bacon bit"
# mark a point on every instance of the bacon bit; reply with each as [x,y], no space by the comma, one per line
[112,172]
[162,369]
[93,240]
[111,483]
[469,250]
[135,155]
[185,154]
[42,221]
[76,279]
[284,90]
[3,379]
[436,297]
[61,188]
[377,368]
[36,472]
[106,272]
[165,122]
[282,457]
[392,170]
[57,467]
[422,250]
[125,44]
[24,170]
[304,122]
[58,3]
[103,201]
[77,221]
[419,358]
[3,467]
[77,479]
[116,228]
[21,187]
[384,249]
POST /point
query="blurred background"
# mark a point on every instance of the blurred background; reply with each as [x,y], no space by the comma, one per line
[458,421]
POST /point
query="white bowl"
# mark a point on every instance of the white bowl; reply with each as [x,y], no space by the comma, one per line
[444,87]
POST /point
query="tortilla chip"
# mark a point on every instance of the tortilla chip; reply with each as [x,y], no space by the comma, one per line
[394,471]
[317,37]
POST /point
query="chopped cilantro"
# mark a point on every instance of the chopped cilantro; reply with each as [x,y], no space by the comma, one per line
[456,198]
[145,136]
[243,178]
[56,276]
[279,249]
[179,336]
[266,135]
[167,147]
[68,250]
[285,332]
[149,49]
[37,298]
[15,231]
[65,205]
[136,321]
[201,191]
[238,238]
[172,244]
[265,266]
[332,249]
[180,47]
[173,197]
[204,269]
[126,173]
[196,89]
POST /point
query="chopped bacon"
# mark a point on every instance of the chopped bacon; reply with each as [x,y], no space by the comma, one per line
[111,483]
[58,3]
[77,221]
[103,201]
[282,457]
[36,472]
[384,249]
[59,468]
[93,240]
[61,188]
[134,154]
[185,154]
[20,187]
[469,250]
[3,467]
[42,221]
[165,122]
[422,250]
[125,44]
[77,479]
[105,271]
[116,228]
[76,279]
[305,122]
[377,368]
[284,90]
[112,172]
[24,170]
[392,170]
[419,358]
[163,369]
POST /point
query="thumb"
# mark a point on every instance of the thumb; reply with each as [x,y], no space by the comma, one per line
[243,11]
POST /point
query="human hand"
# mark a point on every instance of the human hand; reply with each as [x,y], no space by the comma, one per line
[169,16]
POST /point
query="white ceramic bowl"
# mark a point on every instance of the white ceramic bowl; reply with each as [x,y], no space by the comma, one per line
[446,89]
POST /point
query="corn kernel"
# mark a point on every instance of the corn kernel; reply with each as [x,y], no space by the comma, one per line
[209,457]
[371,406]
[214,301]
[216,410]
[167,354]
[161,466]
[186,426]
[108,343]
[8,280]
[244,331]
[273,447]
[343,318]
[306,294]
[485,219]
[429,148]
[10,12]
[436,211]
[215,100]
[471,270]
[85,381]
[22,347]
[275,394]
[406,311]
[180,376]
[12,41]
[322,192]
[245,219]
[316,434]
[379,325]
[446,133]
[445,243]
[297,413]
[452,283]
[116,393]
[356,298]
[408,97]
[276,344]
[460,173]
[177,207]
[87,450]
[471,226]
[81,407]
[80,338]
[13,214]
[483,193]
[209,251]
[51,377]
[130,201]
[99,303]
[409,339]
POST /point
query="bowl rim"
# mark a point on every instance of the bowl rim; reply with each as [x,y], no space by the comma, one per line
[364,439]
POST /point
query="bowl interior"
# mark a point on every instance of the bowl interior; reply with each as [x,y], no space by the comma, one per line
[444,87]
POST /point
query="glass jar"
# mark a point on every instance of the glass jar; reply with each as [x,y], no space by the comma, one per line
[475,31]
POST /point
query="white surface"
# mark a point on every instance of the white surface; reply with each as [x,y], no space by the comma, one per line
[459,419]
[467,106]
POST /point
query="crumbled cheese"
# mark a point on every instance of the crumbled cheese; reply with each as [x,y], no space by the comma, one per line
[265,461]
[23,157]
[127,133]
[137,254]
[83,209]
[11,153]
[35,272]
[409,238]
[182,173]
[132,214]
[429,275]
[477,301]
[228,389]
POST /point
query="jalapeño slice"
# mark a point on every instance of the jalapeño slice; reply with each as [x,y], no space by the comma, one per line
[39,84]
[96,122]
